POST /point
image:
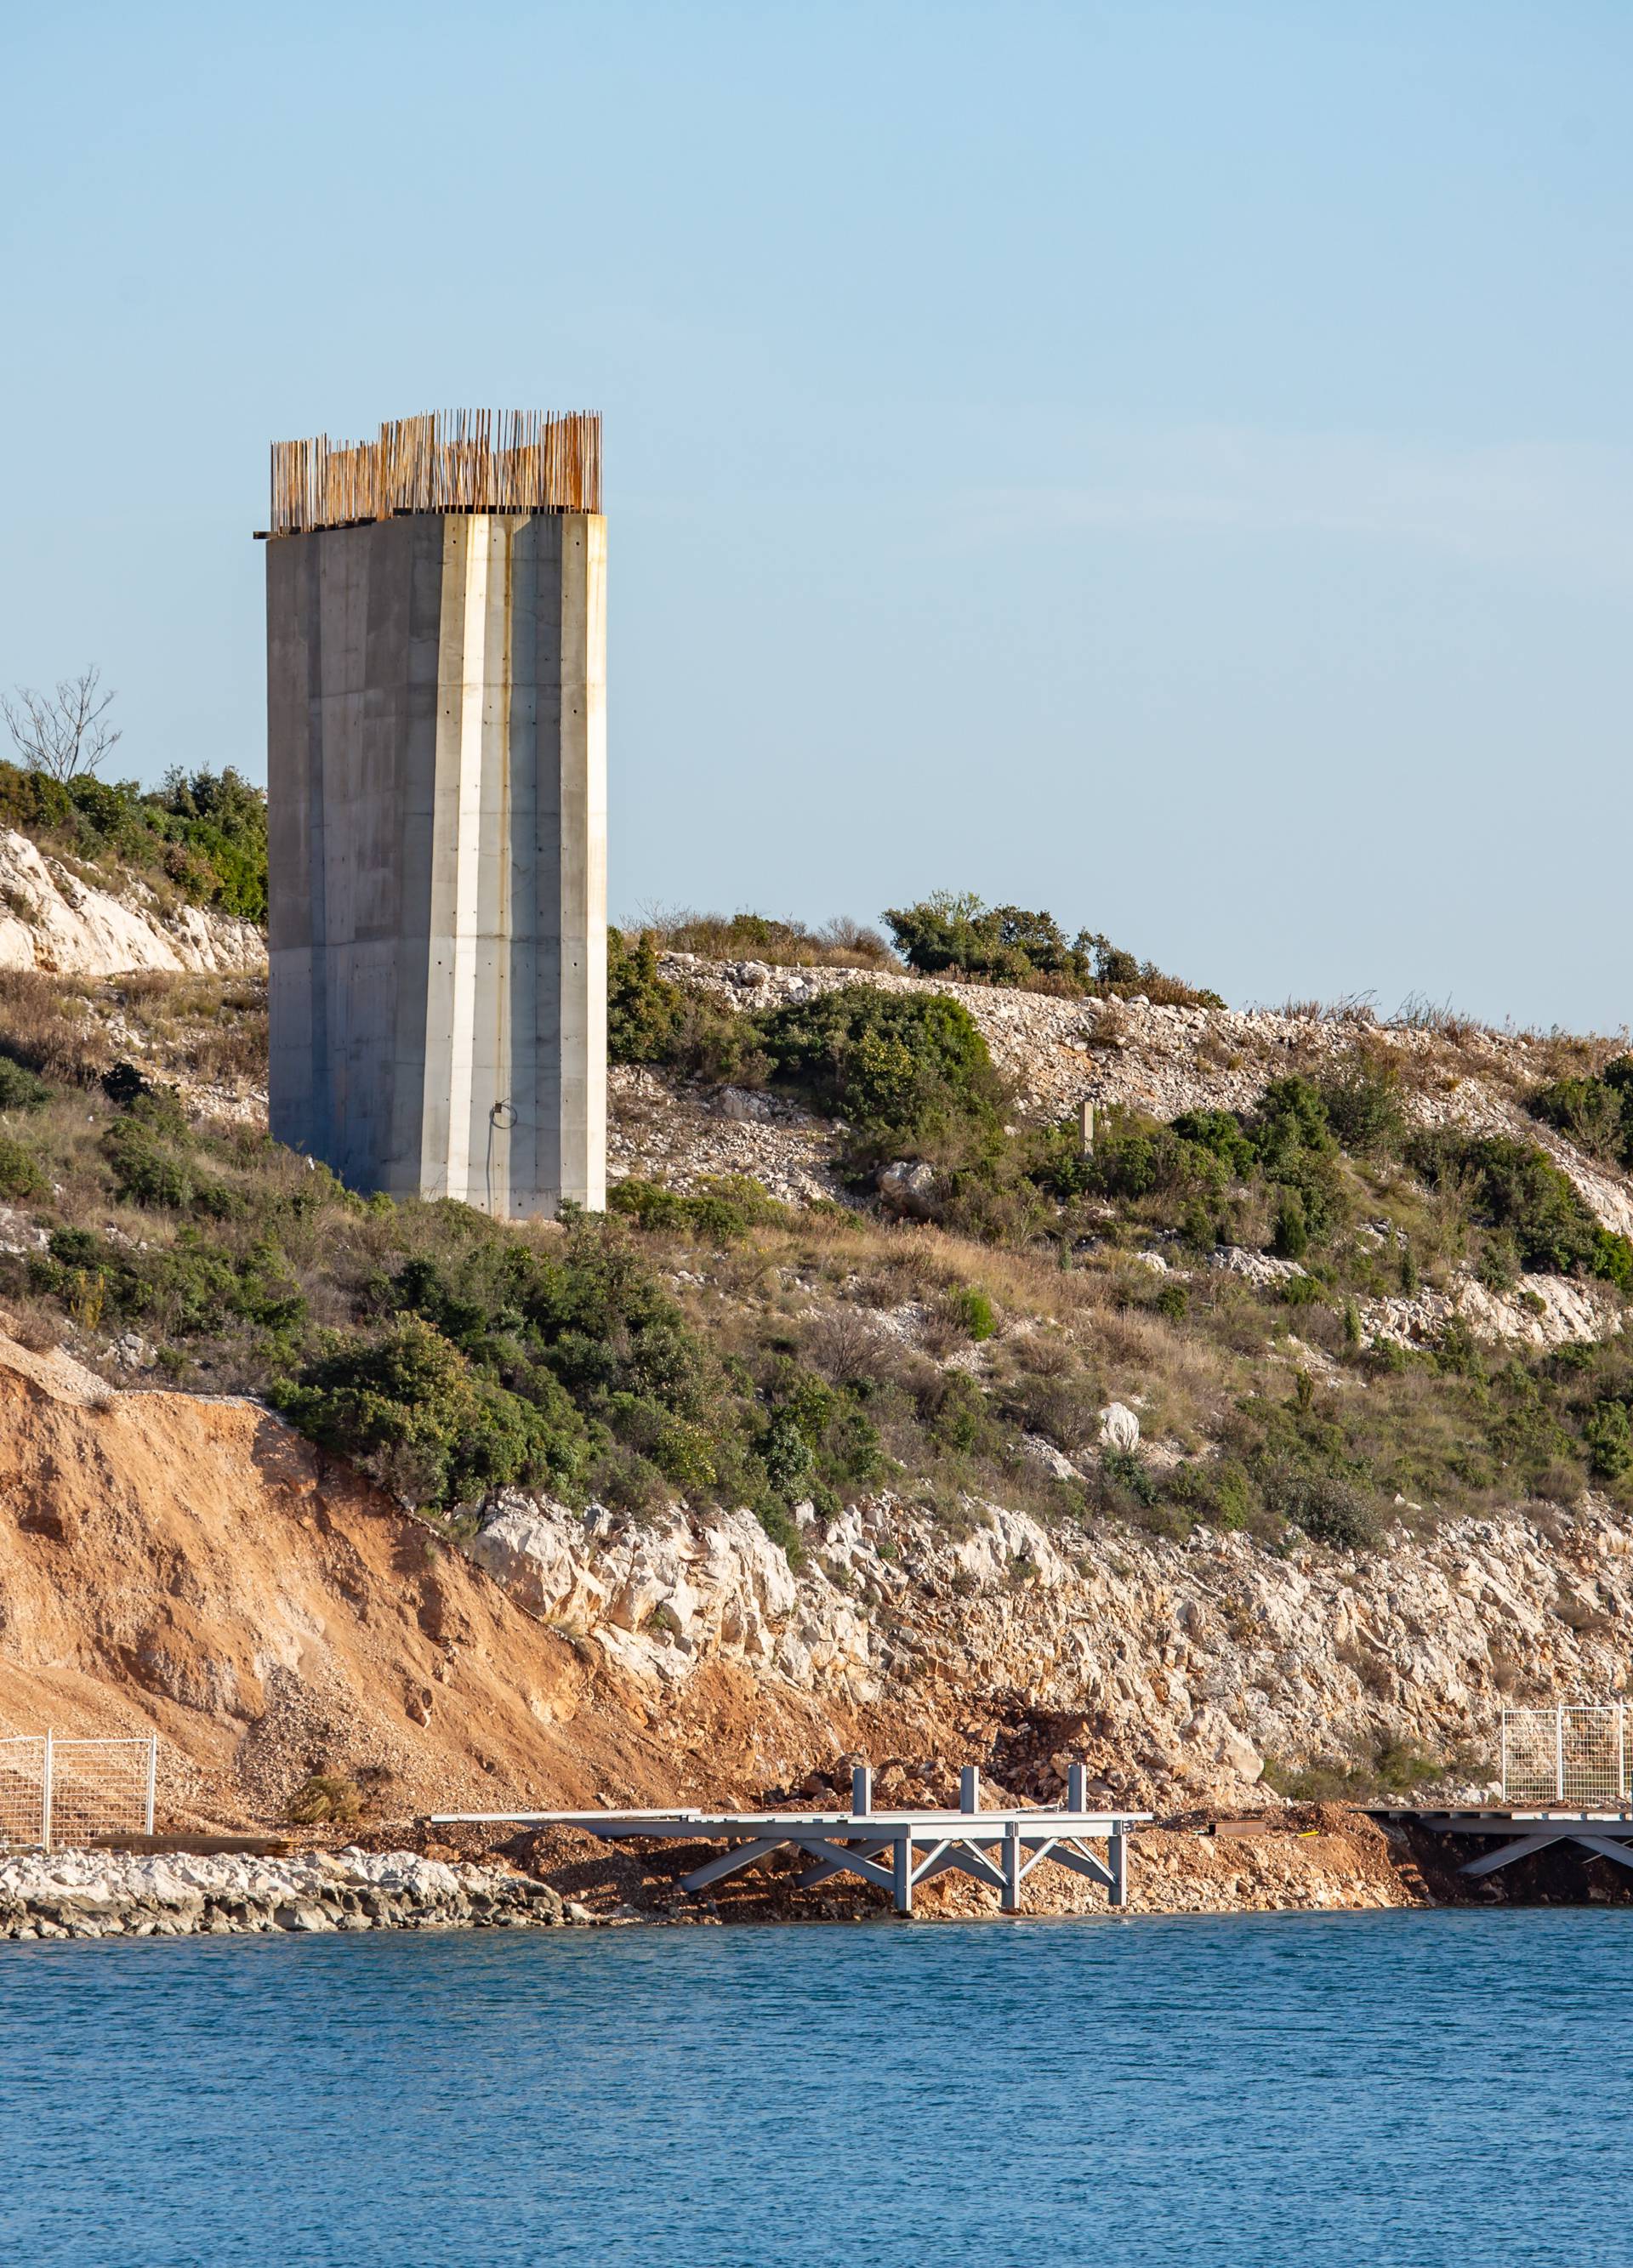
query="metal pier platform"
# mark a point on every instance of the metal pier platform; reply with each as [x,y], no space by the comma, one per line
[1606,1834]
[896,1851]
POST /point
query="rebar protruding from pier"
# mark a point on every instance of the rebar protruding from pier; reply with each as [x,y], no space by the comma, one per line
[481,460]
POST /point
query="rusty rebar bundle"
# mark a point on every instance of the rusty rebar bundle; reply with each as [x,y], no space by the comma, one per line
[453,460]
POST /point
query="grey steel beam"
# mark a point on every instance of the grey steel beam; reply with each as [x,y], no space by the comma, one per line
[1506,1854]
[732,1862]
[1607,1846]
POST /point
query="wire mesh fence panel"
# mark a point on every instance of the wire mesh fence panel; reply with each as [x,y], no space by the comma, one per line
[1574,1754]
[22,1791]
[55,1792]
[100,1787]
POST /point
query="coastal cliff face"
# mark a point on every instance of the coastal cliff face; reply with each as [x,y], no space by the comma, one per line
[190,1566]
[1176,1671]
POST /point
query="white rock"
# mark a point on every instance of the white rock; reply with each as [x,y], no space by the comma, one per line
[49,919]
[1119,1428]
[909,1188]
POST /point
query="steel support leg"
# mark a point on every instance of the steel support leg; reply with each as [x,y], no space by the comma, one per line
[903,1872]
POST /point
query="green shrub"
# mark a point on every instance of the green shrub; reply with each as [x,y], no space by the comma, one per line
[974,1311]
[20,1175]
[146,1172]
[644,1011]
[1007,945]
[1221,1133]
[721,1212]
[780,1525]
[908,1071]
[1124,1473]
[1588,1112]
[1361,1104]
[652,1020]
[414,1412]
[1514,1186]
[1291,1237]
[1332,1511]
[1497,1265]
[1135,1158]
[19,1088]
[785,944]
[1289,1124]
[1609,1438]
[206,835]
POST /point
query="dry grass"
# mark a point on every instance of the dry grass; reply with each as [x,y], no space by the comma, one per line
[782,943]
[211,1028]
[46,1022]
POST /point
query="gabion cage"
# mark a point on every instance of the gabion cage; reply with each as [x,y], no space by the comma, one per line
[1573,1754]
[54,1790]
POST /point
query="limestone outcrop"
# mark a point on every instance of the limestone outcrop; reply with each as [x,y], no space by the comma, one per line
[50,919]
[1179,1670]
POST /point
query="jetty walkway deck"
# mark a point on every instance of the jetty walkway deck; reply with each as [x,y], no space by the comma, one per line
[895,1851]
[1607,1834]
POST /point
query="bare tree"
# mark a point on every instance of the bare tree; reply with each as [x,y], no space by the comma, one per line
[65,736]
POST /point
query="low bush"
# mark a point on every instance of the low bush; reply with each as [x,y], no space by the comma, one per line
[1331,1510]
[423,1420]
[721,1212]
[651,1020]
[20,1173]
[1589,1113]
[958,935]
[20,1088]
[1361,1105]
[325,1799]
[1514,1188]
[910,1073]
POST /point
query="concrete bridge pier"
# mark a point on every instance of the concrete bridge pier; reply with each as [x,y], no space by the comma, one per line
[437,798]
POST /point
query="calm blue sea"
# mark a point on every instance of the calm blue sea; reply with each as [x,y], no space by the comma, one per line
[1317,2091]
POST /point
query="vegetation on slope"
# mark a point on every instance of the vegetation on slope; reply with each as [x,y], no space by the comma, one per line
[202,836]
[720,1346]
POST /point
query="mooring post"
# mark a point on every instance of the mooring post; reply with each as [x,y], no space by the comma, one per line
[1117,1859]
[1012,1867]
[902,1856]
[862,1790]
[970,1788]
[1085,1128]
[1077,1788]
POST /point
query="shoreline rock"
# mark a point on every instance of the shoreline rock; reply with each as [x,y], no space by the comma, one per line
[93,1894]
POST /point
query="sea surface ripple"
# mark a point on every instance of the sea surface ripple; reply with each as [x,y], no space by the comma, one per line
[1279,2091]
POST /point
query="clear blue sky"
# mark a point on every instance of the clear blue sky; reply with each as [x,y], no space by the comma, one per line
[1171,464]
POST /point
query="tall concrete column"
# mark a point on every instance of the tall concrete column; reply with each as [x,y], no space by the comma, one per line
[437,817]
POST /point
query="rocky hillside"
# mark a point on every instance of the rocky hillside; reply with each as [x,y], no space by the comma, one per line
[1258,1455]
